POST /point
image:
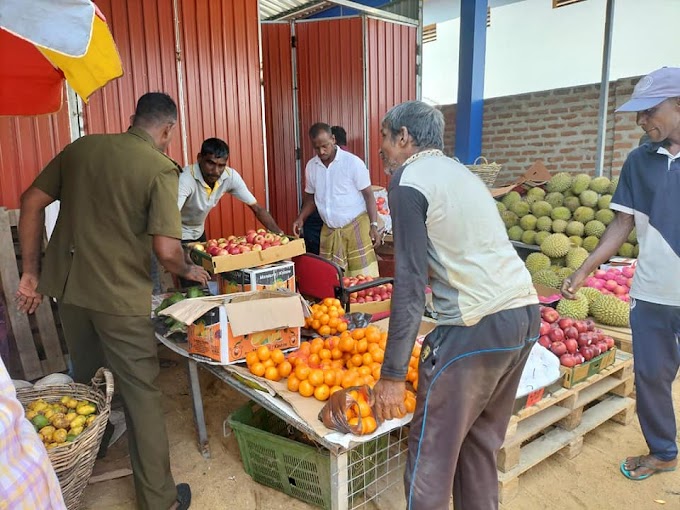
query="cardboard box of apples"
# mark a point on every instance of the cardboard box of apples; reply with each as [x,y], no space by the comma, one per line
[373,300]
[583,349]
[256,248]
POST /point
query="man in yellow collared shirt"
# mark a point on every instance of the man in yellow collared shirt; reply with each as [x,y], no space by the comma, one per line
[202,185]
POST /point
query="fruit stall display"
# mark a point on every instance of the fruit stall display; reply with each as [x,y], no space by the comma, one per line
[254,240]
[60,423]
[374,294]
[573,341]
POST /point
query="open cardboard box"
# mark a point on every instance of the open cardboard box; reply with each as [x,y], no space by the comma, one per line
[536,175]
[224,263]
[225,328]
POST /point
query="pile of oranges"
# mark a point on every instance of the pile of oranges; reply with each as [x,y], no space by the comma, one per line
[363,410]
[327,317]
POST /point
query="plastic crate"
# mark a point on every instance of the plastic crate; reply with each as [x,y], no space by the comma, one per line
[300,470]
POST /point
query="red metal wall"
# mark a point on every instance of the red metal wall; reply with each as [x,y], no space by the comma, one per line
[391,49]
[223,96]
[27,144]
[144,33]
[277,67]
[330,63]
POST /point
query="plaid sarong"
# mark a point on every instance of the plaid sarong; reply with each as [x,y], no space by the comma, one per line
[350,247]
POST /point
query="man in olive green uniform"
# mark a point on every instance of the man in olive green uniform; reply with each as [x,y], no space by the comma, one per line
[118,198]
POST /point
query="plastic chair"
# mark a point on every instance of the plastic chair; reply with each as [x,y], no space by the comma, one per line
[319,278]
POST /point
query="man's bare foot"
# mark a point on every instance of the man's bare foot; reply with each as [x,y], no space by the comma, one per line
[642,467]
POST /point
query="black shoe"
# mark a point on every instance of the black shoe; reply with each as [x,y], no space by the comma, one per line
[183,496]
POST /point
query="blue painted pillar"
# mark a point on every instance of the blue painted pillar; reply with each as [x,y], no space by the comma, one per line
[470,109]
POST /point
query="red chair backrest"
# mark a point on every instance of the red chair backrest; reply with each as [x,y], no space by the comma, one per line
[316,277]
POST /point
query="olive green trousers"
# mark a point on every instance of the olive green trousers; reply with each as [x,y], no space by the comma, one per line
[126,345]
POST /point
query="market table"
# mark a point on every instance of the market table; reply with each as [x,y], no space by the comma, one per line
[343,465]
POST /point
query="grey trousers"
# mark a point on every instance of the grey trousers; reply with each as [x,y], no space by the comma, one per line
[467,382]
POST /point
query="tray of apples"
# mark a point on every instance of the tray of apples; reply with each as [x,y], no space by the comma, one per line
[573,341]
[254,240]
[370,295]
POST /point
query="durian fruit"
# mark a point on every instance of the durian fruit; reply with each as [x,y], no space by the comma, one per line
[535,195]
[612,185]
[541,236]
[529,236]
[559,182]
[575,228]
[544,223]
[600,185]
[511,198]
[509,218]
[609,310]
[576,241]
[604,201]
[636,252]
[626,250]
[560,213]
[574,308]
[590,243]
[632,237]
[580,183]
[572,203]
[588,198]
[590,293]
[606,216]
[541,208]
[528,222]
[547,277]
[501,207]
[520,208]
[584,214]
[515,233]
[576,257]
[536,262]
[555,199]
[564,272]
[559,226]
[556,245]
[595,228]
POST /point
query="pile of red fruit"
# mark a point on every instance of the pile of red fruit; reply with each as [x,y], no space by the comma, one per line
[378,293]
[613,281]
[574,342]
[254,240]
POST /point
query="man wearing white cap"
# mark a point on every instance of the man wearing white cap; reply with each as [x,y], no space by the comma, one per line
[648,198]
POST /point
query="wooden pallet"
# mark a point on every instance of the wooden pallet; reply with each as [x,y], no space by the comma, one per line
[559,422]
[34,339]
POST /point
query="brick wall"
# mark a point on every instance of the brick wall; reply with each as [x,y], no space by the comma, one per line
[557,126]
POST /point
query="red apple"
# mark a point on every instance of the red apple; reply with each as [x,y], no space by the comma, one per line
[572,345]
[545,341]
[609,341]
[566,322]
[580,326]
[545,328]
[556,335]
[550,315]
[257,247]
[222,251]
[567,360]
[584,339]
[558,348]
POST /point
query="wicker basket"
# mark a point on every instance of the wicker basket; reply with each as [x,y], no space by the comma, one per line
[486,171]
[73,463]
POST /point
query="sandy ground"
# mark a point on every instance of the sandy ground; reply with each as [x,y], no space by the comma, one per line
[589,481]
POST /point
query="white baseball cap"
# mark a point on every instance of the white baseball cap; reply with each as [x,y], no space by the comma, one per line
[654,88]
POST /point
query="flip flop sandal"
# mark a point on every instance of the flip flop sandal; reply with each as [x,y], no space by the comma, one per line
[183,496]
[639,463]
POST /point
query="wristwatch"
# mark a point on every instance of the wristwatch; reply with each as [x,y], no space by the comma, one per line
[374,224]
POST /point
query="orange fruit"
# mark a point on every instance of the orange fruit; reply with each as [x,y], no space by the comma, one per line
[322,392]
[412,375]
[258,369]
[329,377]
[337,303]
[357,360]
[302,372]
[368,359]
[305,349]
[375,372]
[325,364]
[382,343]
[252,358]
[293,383]
[368,425]
[362,346]
[325,354]
[348,379]
[335,389]
[316,345]
[324,330]
[336,354]
[305,389]
[317,315]
[268,363]
[338,363]
[354,394]
[316,377]
[324,308]
[308,321]
[410,404]
[333,313]
[263,353]
[314,360]
[285,369]
[342,327]
[364,408]
[333,323]
[353,422]
[369,380]
[346,344]
[277,356]
[272,374]
[358,333]
[316,324]
[333,331]
[415,384]
[378,355]
[324,319]
[413,362]
[365,370]
[328,301]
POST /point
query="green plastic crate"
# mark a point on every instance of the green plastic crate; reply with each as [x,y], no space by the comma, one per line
[295,468]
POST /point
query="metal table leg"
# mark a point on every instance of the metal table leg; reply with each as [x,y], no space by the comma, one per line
[339,481]
[197,400]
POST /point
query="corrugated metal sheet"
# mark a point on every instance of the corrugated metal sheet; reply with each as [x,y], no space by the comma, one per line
[277,69]
[144,33]
[222,70]
[330,59]
[27,144]
[290,9]
[391,50]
